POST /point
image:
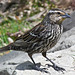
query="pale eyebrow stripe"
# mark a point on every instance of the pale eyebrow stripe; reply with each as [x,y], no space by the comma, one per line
[53,11]
[57,11]
[62,13]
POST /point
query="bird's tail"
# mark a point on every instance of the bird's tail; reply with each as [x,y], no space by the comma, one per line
[6,48]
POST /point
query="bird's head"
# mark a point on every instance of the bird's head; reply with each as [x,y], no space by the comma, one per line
[57,15]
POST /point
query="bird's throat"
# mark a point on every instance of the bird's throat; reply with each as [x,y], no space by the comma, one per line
[60,21]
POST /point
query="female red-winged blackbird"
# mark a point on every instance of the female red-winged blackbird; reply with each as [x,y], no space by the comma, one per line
[41,38]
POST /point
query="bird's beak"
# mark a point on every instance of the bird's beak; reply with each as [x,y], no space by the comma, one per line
[66,16]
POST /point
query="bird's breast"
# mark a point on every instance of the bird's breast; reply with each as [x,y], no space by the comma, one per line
[53,37]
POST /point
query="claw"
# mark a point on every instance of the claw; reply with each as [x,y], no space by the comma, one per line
[57,68]
[41,69]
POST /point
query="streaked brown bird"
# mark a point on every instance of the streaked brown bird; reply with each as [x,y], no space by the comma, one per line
[41,38]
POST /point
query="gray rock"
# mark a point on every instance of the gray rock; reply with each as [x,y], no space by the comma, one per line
[69,23]
[4,72]
[61,58]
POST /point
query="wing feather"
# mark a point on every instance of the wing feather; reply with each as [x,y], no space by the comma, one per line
[33,38]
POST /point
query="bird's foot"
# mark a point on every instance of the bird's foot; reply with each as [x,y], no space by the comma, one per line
[57,68]
[40,69]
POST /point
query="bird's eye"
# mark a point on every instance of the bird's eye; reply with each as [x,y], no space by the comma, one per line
[58,12]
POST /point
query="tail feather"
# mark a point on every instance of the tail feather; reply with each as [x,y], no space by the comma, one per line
[17,45]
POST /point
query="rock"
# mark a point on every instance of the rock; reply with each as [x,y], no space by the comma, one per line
[22,66]
[69,23]
[4,72]
[9,62]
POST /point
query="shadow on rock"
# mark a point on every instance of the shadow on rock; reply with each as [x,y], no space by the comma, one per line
[26,66]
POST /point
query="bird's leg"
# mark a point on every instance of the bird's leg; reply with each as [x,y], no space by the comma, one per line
[57,68]
[37,67]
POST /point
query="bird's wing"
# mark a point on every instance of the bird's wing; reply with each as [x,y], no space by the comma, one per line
[32,37]
[35,34]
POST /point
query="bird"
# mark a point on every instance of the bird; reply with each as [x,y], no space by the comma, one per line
[41,37]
